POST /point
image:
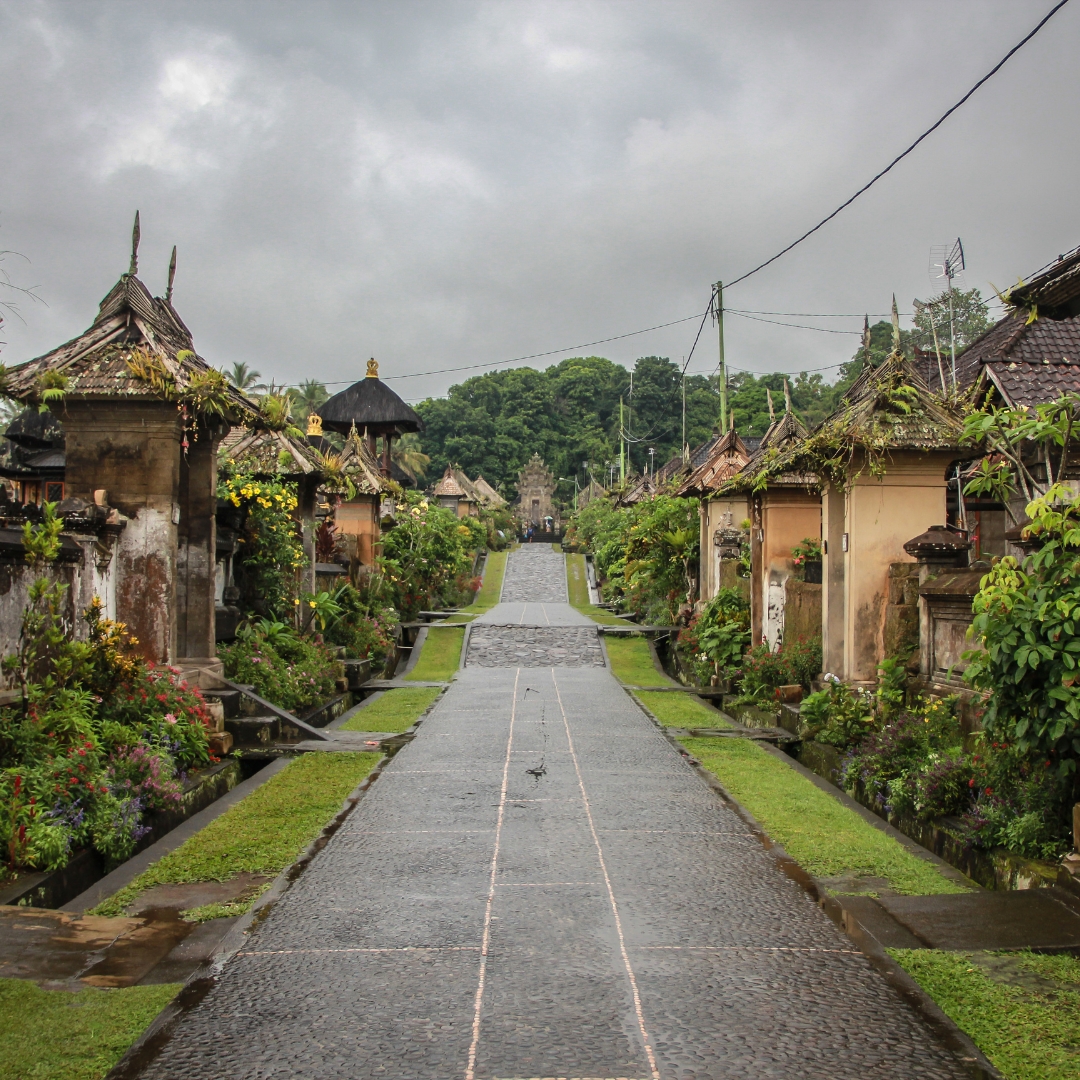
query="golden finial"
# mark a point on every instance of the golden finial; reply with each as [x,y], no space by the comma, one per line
[372,369]
[314,424]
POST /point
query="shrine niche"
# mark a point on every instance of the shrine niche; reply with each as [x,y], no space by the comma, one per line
[536,496]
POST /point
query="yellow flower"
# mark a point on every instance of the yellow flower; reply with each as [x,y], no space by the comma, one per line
[311,604]
[297,603]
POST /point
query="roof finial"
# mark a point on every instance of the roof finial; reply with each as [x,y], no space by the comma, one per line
[314,424]
[866,338]
[895,326]
[135,234]
[772,412]
[372,369]
[172,275]
[787,396]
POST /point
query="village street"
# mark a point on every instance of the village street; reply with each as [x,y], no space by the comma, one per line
[539,886]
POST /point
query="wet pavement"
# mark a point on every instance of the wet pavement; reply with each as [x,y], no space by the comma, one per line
[539,885]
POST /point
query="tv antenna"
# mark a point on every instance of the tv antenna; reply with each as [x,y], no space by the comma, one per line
[947,264]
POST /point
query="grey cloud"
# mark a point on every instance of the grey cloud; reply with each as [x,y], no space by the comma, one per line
[445,184]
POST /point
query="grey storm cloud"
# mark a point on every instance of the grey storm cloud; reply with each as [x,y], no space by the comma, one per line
[446,184]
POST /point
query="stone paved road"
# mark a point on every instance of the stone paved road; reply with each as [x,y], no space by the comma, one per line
[539,886]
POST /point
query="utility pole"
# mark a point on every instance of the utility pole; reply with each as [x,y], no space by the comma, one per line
[684,407]
[718,313]
[622,459]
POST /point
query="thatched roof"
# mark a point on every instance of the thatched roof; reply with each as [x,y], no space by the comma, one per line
[887,408]
[133,332]
[269,453]
[456,484]
[358,463]
[370,404]
[488,495]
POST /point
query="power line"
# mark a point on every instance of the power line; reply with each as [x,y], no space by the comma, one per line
[795,326]
[900,157]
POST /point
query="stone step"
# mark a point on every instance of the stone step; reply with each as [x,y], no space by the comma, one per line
[254,730]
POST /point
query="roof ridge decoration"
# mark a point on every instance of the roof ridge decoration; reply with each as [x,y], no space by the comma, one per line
[887,408]
[355,467]
[136,347]
[728,457]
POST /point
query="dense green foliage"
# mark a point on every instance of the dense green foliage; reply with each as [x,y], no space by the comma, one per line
[1026,619]
[271,553]
[290,670]
[261,834]
[646,554]
[65,1036]
[1022,1012]
[427,556]
[714,641]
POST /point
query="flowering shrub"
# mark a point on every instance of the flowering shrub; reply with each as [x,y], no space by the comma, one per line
[272,551]
[808,551]
[794,662]
[99,738]
[838,715]
[291,671]
[427,554]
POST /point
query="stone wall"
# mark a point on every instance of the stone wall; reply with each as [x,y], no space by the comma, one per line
[900,634]
[802,610]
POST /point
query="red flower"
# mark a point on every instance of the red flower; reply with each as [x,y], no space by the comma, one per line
[971,782]
[989,791]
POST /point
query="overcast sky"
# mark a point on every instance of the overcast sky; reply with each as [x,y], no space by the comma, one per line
[445,184]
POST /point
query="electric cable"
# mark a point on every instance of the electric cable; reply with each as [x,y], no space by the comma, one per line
[900,157]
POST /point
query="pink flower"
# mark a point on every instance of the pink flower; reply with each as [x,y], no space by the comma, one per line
[171,719]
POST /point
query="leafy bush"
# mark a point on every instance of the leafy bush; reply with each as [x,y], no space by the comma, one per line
[365,629]
[1027,620]
[427,556]
[291,671]
[714,642]
[796,662]
[838,715]
[646,554]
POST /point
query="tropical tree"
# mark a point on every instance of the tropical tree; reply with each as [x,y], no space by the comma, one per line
[307,398]
[407,456]
[244,378]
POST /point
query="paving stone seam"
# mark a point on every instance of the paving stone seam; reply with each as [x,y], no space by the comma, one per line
[470,1070]
[632,979]
[951,1035]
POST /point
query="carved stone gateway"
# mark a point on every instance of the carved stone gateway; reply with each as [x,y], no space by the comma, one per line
[536,495]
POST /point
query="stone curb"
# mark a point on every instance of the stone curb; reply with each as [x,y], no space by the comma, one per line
[200,982]
[970,1057]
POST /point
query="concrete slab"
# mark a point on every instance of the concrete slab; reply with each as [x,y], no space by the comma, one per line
[1032,919]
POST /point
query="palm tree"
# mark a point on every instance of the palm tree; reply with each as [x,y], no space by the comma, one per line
[406,456]
[307,398]
[243,378]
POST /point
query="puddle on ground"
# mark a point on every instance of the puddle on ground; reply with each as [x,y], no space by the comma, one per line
[197,894]
[61,950]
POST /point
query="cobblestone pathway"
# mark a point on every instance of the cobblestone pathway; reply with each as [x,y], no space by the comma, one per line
[539,886]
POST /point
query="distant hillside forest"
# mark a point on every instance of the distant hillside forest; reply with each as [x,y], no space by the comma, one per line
[569,414]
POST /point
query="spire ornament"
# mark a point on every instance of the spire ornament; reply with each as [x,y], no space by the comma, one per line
[895,326]
[372,369]
[172,275]
[136,234]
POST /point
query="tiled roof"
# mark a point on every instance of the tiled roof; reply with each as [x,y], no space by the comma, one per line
[360,466]
[729,455]
[450,485]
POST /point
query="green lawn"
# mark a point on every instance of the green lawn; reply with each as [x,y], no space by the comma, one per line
[261,834]
[632,663]
[817,831]
[440,656]
[57,1035]
[488,596]
[394,711]
[681,710]
[1028,1034]
[578,587]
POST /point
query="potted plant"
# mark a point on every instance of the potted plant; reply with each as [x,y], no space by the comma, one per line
[806,558]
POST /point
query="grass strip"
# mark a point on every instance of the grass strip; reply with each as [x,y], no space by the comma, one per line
[440,655]
[681,710]
[488,596]
[394,711]
[261,834]
[577,583]
[1028,1034]
[632,662]
[818,831]
[57,1035]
